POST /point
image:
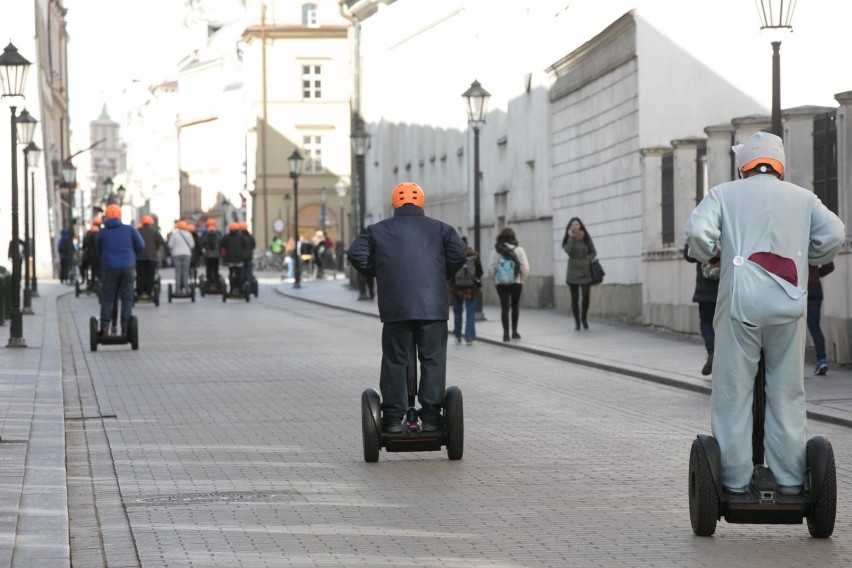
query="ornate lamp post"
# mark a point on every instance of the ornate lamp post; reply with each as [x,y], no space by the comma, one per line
[26,124]
[360,145]
[69,180]
[295,160]
[476,101]
[13,74]
[34,153]
[340,188]
[776,16]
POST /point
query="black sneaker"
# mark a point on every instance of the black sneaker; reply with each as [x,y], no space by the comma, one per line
[392,424]
[708,366]
[431,425]
[516,335]
[506,337]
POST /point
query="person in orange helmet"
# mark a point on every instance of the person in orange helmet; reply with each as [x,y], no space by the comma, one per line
[248,255]
[147,260]
[118,245]
[233,248]
[181,245]
[413,258]
[210,242]
[90,262]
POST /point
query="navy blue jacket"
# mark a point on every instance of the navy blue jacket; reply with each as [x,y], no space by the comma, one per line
[413,258]
[118,245]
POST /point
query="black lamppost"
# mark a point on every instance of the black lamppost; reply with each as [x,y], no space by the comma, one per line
[295,161]
[360,145]
[476,100]
[69,181]
[34,153]
[13,74]
[340,188]
[776,16]
[26,124]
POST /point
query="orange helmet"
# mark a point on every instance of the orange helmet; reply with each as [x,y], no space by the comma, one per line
[233,226]
[190,227]
[211,222]
[181,225]
[147,220]
[407,192]
[244,226]
[113,212]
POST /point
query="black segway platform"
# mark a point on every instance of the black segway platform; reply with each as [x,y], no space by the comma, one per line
[241,292]
[212,287]
[412,438]
[92,288]
[762,503]
[173,294]
[95,337]
[154,298]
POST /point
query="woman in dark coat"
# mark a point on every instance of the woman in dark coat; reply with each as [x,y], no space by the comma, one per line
[706,290]
[581,252]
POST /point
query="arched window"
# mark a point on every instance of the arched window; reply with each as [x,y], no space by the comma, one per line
[310,17]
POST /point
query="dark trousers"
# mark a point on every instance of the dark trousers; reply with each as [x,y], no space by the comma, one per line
[466,307]
[510,296]
[145,273]
[64,269]
[586,289]
[118,284]
[235,275]
[430,337]
[248,270]
[212,266]
[706,311]
[814,309]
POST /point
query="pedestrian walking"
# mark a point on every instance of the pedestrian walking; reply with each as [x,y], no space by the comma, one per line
[65,248]
[508,265]
[118,245]
[765,231]
[413,257]
[706,291]
[464,291]
[581,252]
[815,274]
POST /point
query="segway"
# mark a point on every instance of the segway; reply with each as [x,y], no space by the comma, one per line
[238,289]
[212,287]
[172,293]
[112,338]
[412,438]
[762,503]
[92,288]
[154,298]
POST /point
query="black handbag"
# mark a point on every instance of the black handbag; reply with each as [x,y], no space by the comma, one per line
[597,272]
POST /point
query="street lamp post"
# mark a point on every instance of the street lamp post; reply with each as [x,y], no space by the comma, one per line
[13,74]
[295,161]
[26,124]
[69,181]
[340,188]
[360,144]
[34,153]
[476,100]
[777,17]
[323,210]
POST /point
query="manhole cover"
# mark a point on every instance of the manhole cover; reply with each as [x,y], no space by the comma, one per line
[221,497]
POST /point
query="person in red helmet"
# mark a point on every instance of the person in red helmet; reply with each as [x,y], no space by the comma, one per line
[146,261]
[413,258]
[118,245]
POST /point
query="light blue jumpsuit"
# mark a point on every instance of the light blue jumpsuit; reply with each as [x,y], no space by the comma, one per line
[756,310]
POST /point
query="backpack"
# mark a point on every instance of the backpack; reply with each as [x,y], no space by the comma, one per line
[505,273]
[466,275]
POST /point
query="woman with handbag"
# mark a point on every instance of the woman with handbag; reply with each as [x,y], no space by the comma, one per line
[581,253]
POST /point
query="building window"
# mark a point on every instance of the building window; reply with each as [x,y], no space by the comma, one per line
[701,172]
[825,159]
[310,18]
[311,82]
[313,154]
[668,234]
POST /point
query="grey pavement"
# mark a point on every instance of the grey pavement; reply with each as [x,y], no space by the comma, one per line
[645,353]
[116,439]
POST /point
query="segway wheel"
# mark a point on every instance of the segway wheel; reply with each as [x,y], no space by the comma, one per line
[156,294]
[247,292]
[202,285]
[192,294]
[703,501]
[454,419]
[169,292]
[254,287]
[824,510]
[224,294]
[133,333]
[76,289]
[369,427]
[93,334]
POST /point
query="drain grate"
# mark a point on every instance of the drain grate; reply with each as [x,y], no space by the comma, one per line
[219,497]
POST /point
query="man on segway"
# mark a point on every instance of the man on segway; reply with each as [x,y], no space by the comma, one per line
[413,257]
[765,231]
[233,248]
[147,260]
[210,249]
[118,245]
